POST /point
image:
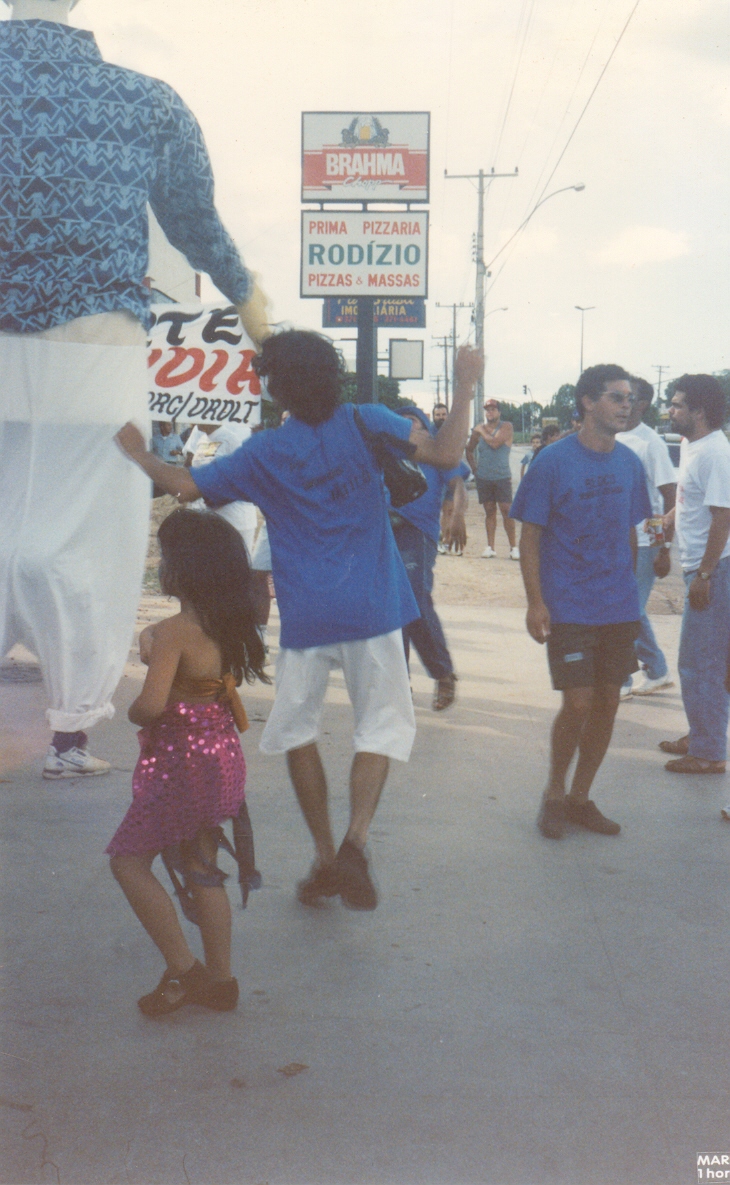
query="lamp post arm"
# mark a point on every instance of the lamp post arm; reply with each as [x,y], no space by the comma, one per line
[525,221]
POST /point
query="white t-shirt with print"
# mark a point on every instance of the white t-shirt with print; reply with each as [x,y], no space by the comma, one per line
[221,443]
[704,481]
[654,456]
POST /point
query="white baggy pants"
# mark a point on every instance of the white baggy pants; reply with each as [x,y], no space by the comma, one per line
[74,511]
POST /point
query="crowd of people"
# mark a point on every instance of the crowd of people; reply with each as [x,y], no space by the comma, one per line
[353,570]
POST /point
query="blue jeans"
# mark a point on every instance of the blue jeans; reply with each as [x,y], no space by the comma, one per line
[418,553]
[647,647]
[704,652]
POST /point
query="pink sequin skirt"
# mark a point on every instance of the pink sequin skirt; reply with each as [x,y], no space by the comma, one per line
[190,774]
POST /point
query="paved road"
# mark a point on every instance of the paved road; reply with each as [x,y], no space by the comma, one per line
[516,1012]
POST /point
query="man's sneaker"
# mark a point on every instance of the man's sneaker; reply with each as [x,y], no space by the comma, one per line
[441,548]
[626,691]
[322,882]
[586,814]
[354,884]
[74,763]
[647,686]
[489,553]
[514,553]
[551,819]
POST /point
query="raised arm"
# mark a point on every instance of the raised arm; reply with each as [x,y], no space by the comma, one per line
[445,450]
[173,479]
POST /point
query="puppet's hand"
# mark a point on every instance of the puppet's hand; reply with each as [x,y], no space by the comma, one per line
[254,315]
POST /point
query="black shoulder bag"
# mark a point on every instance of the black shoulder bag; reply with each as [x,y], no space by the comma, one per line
[405,479]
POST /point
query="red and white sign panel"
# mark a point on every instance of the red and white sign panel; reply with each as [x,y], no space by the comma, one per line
[350,156]
[199,362]
[364,253]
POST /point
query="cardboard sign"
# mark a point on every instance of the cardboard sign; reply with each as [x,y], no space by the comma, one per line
[364,253]
[199,362]
[355,156]
[408,310]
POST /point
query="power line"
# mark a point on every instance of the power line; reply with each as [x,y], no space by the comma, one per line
[588,100]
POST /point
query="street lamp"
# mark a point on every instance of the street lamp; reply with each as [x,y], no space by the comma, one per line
[583,310]
[566,188]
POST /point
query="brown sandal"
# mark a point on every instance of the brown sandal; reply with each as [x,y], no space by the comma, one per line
[444,693]
[680,748]
[695,765]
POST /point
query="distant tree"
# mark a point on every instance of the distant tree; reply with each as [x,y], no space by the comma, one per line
[562,405]
[388,392]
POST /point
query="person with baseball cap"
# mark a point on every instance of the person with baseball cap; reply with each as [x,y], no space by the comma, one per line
[488,453]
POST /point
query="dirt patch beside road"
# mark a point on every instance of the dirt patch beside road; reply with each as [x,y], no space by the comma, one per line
[466,580]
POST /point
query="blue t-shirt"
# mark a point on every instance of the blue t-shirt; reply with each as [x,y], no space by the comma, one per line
[337,571]
[425,512]
[586,502]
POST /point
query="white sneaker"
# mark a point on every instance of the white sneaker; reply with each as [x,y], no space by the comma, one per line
[74,763]
[626,691]
[647,686]
[489,553]
[514,553]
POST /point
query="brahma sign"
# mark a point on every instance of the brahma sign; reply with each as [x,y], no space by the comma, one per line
[350,156]
[200,366]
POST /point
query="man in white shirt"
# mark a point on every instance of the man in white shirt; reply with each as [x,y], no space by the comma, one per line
[698,410]
[207,442]
[653,554]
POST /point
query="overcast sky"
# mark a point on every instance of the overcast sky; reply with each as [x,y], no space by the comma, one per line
[647,241]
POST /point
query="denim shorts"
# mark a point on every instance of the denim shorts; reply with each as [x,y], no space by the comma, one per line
[589,655]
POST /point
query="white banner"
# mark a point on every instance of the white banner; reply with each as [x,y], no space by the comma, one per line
[199,362]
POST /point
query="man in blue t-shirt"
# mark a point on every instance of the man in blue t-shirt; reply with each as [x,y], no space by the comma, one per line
[416,528]
[580,502]
[343,592]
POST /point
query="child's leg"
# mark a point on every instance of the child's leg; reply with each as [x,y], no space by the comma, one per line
[214,912]
[154,908]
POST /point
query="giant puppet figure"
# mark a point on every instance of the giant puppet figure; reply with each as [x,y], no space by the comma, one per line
[84,146]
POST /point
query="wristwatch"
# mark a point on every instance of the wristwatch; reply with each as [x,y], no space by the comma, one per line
[703,575]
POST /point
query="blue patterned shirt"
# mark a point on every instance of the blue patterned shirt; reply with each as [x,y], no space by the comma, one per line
[84,146]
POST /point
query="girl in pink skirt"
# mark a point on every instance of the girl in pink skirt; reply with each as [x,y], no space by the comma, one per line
[191,772]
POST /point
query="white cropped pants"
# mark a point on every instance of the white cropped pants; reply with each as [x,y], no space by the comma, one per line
[74,511]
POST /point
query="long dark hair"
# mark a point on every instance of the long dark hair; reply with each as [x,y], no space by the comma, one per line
[204,561]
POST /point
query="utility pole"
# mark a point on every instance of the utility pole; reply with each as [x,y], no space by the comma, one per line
[443,342]
[438,388]
[659,380]
[583,310]
[453,308]
[481,177]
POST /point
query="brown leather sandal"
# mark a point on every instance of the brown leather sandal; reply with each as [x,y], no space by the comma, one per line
[695,765]
[680,748]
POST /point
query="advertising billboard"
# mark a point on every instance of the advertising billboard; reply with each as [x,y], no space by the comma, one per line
[364,253]
[351,156]
[341,311]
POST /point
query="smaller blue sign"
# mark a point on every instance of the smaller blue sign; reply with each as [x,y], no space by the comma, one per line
[339,312]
